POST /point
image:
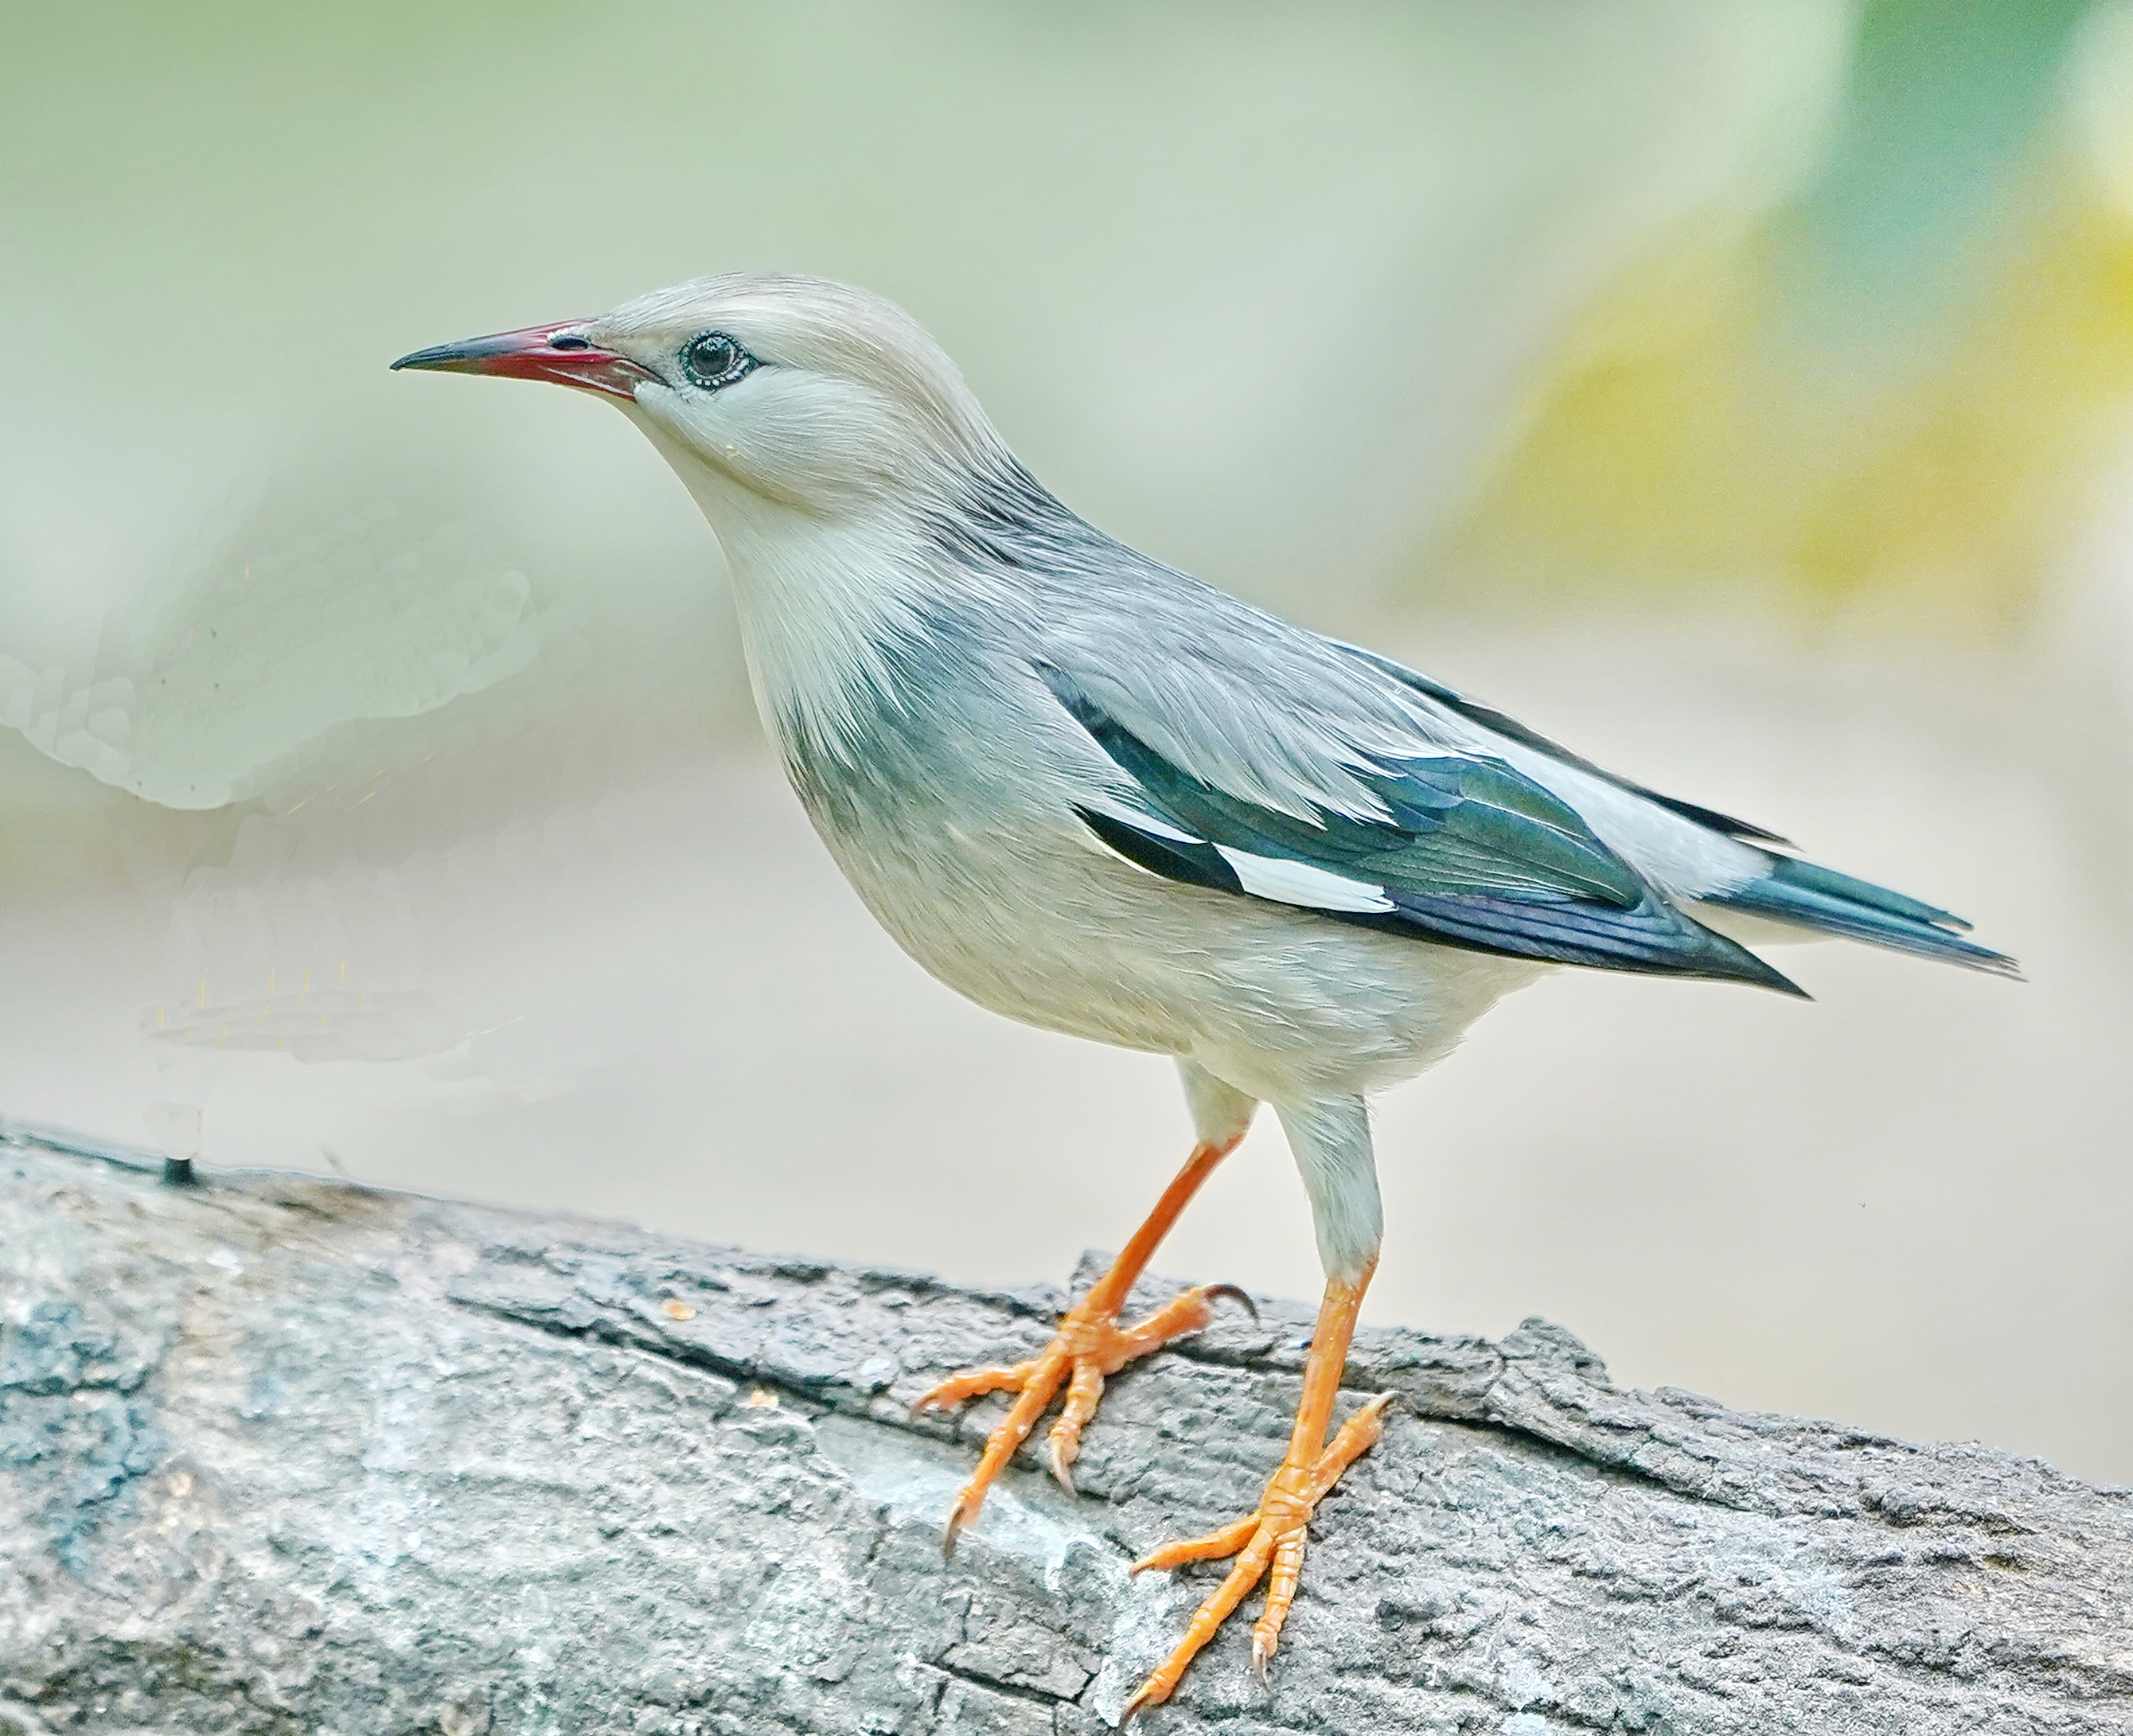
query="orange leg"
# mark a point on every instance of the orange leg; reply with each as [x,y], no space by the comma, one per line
[1269,1543]
[1090,1347]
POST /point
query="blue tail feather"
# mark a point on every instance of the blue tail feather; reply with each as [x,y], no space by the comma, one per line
[1809,896]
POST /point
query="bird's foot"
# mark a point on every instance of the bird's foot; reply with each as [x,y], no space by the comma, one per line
[1271,1539]
[1089,1347]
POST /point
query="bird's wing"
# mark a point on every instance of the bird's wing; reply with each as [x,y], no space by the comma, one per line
[1311,781]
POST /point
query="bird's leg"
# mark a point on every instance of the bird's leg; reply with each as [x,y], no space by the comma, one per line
[1090,1346]
[1269,1542]
[1330,1140]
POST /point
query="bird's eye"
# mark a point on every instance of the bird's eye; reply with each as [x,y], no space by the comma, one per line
[712,360]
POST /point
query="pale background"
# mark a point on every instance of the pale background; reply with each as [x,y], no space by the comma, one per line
[1737,390]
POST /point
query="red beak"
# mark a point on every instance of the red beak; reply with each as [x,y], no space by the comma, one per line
[554,352]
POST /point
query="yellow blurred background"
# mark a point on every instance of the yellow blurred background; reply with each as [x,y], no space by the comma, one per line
[1735,389]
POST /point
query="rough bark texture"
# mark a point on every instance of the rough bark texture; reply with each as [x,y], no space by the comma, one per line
[279,1454]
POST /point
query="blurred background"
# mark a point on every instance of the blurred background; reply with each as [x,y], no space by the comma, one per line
[1738,390]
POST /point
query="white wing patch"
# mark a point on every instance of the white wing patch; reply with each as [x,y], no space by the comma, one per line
[1155,828]
[1298,883]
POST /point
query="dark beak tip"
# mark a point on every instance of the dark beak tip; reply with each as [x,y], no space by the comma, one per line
[529,354]
[432,357]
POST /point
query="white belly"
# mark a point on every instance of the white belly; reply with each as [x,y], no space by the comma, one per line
[1279,1003]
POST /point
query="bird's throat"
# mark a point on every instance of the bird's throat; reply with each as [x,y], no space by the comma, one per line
[820,600]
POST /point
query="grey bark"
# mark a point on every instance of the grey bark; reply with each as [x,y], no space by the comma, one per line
[281,1454]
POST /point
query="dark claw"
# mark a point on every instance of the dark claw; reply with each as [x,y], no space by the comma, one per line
[178,1173]
[1230,1292]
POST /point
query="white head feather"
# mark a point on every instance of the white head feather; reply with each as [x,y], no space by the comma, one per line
[817,469]
[854,407]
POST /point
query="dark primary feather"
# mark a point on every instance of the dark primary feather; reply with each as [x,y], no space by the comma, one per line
[1472,854]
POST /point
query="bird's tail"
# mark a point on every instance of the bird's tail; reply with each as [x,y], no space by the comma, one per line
[1807,896]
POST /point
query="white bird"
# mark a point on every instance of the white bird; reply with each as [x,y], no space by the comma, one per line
[1094,795]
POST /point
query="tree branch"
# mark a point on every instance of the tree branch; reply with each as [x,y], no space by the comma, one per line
[279,1454]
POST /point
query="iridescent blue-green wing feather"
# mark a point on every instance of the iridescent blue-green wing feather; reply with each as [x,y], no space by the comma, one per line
[1450,847]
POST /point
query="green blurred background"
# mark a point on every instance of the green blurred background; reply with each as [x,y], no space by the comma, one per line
[1739,392]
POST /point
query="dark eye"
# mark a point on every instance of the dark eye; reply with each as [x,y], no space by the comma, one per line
[712,360]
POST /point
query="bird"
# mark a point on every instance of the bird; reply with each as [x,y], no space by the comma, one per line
[1095,794]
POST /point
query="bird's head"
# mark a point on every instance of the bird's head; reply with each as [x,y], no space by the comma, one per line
[787,392]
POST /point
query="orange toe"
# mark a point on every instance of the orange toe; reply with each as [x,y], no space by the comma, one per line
[1090,1346]
[1268,1544]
